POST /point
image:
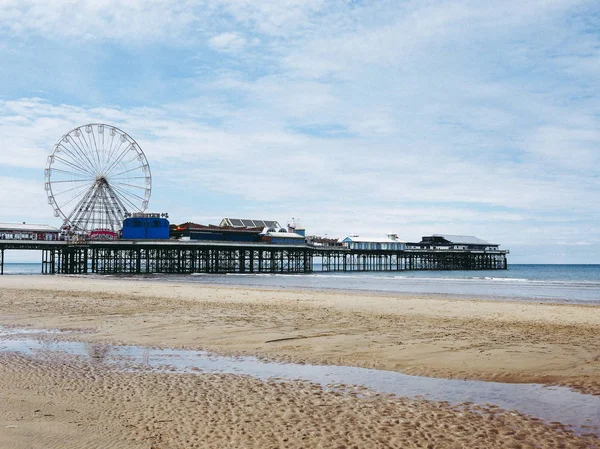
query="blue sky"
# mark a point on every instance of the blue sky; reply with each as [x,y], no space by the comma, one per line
[414,117]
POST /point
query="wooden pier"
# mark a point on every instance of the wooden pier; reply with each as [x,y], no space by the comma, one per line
[410,260]
[186,257]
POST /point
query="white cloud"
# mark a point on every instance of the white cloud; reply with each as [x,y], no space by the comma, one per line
[229,42]
[97,19]
[248,163]
[23,199]
[447,116]
[277,17]
[152,20]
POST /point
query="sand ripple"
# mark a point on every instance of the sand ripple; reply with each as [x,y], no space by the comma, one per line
[69,403]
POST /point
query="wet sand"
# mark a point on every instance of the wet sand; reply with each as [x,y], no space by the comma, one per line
[486,340]
[78,405]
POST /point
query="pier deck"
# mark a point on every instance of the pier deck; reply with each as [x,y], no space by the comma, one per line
[176,256]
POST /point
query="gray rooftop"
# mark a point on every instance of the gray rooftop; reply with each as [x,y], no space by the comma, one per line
[26,227]
[246,223]
[463,239]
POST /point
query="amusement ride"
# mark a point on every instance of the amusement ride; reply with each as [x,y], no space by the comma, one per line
[96,176]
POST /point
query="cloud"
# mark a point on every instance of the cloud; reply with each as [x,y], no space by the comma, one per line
[153,20]
[97,19]
[336,186]
[278,17]
[23,199]
[436,116]
[229,42]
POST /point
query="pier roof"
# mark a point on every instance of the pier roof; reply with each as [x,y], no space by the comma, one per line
[26,227]
[463,239]
[247,223]
[357,239]
[189,226]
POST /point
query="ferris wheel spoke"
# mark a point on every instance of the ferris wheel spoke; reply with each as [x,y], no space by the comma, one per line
[134,207]
[129,185]
[77,191]
[74,152]
[71,180]
[115,148]
[124,195]
[91,140]
[81,157]
[73,165]
[124,184]
[112,149]
[85,150]
[93,137]
[101,136]
[126,163]
[52,170]
[99,148]
[88,144]
[62,192]
[117,160]
[84,193]
[123,172]
[106,146]
[85,138]
[131,194]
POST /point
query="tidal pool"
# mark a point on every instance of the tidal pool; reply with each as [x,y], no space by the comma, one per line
[580,412]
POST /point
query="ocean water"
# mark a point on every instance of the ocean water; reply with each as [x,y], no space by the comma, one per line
[22,268]
[554,283]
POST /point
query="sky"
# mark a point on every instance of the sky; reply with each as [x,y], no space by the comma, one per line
[367,117]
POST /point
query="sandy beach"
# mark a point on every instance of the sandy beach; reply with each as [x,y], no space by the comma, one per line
[554,344]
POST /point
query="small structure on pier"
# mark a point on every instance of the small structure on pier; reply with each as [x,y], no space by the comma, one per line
[390,242]
[25,231]
[454,242]
[294,226]
[145,227]
[195,231]
[282,236]
[318,241]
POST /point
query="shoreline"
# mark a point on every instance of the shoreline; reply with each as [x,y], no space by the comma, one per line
[188,279]
[162,278]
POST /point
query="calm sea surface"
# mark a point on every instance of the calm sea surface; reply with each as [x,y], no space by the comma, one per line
[555,283]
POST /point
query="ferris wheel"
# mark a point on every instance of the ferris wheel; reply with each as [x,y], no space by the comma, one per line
[96,175]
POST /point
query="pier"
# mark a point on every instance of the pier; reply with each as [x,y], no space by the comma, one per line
[186,257]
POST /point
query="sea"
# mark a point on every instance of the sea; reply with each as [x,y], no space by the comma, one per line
[547,283]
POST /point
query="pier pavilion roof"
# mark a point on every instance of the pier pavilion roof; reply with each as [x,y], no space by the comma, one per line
[189,226]
[247,223]
[463,239]
[26,227]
